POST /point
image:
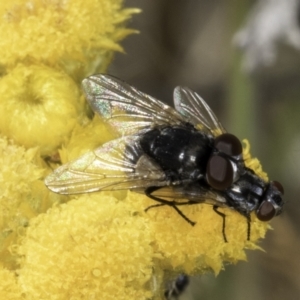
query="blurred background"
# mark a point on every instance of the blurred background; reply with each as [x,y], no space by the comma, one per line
[243,58]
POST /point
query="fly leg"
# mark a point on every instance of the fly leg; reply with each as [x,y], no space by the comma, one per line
[215,208]
[163,202]
[248,226]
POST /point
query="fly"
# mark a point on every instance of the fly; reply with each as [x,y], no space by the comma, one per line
[168,154]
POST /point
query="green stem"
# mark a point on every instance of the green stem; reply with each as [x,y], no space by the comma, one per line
[241,103]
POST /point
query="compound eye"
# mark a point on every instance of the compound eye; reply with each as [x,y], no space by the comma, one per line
[229,144]
[266,211]
[219,172]
[278,186]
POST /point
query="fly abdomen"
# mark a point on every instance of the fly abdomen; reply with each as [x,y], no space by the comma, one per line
[179,150]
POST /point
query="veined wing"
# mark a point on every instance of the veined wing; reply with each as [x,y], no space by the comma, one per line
[117,165]
[196,111]
[193,192]
[127,109]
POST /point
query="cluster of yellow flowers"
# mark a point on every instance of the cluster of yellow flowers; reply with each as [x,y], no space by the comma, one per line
[97,246]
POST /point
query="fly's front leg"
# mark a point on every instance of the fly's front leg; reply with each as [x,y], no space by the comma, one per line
[247,216]
[215,208]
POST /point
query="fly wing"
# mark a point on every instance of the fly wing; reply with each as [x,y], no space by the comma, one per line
[194,192]
[124,107]
[117,165]
[196,111]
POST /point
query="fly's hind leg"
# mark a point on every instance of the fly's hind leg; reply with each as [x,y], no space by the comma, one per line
[163,202]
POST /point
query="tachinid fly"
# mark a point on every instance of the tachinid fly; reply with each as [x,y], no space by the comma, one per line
[167,154]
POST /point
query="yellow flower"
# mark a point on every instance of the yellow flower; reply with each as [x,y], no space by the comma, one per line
[39,107]
[9,289]
[79,36]
[43,41]
[104,245]
[91,248]
[253,163]
[23,195]
[86,137]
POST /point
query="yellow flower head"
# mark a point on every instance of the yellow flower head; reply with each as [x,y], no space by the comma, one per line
[45,46]
[9,289]
[23,194]
[86,137]
[91,248]
[39,106]
[79,36]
